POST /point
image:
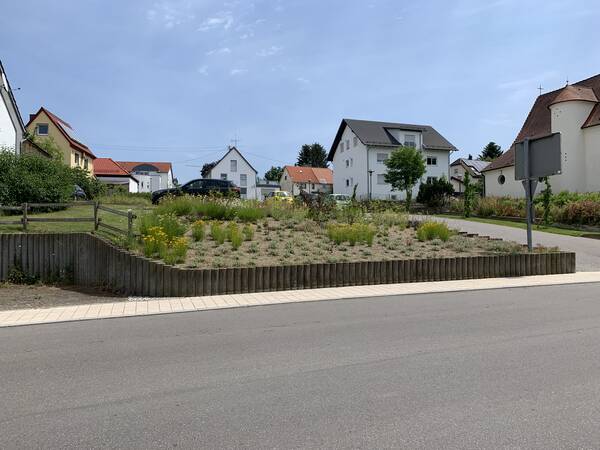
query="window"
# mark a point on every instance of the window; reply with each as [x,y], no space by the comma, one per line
[342,147]
[243,179]
[233,164]
[431,179]
[85,163]
[382,157]
[312,186]
[380,178]
[347,182]
[223,176]
[243,191]
[285,177]
[76,159]
[501,179]
[456,171]
[351,162]
[347,163]
[42,129]
[355,143]
[410,140]
[432,161]
[347,144]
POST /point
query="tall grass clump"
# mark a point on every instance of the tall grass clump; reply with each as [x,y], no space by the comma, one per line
[248,213]
[390,218]
[214,210]
[351,233]
[169,223]
[218,233]
[235,235]
[178,206]
[198,230]
[248,232]
[429,231]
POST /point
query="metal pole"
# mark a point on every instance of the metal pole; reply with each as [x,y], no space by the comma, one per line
[130,224]
[528,194]
[25,208]
[96,216]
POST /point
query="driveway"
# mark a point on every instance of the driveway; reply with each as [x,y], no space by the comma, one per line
[588,250]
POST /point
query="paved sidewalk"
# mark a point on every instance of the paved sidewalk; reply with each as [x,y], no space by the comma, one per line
[588,250]
[149,306]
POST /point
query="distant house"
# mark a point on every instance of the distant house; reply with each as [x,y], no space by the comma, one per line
[463,165]
[361,147]
[12,129]
[151,176]
[265,187]
[45,125]
[114,175]
[234,167]
[295,179]
[573,111]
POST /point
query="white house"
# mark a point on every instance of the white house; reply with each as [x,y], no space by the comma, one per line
[463,165]
[12,128]
[295,179]
[573,111]
[151,176]
[234,167]
[114,175]
[360,148]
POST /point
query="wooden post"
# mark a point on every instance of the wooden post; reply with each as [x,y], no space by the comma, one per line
[96,221]
[130,224]
[25,208]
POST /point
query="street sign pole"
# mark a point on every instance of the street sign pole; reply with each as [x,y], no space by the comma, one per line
[529,184]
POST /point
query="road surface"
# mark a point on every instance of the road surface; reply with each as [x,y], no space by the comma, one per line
[588,250]
[480,369]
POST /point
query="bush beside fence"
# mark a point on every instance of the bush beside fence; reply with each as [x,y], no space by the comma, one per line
[90,261]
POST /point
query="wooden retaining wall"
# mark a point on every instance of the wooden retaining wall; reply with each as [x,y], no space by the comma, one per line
[90,261]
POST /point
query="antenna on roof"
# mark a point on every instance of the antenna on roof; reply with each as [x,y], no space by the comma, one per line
[235,140]
[567,80]
[540,89]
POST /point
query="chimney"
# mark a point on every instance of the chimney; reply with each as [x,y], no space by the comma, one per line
[470,157]
[31,116]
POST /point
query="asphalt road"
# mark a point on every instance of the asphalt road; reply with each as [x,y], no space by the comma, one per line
[488,369]
[588,250]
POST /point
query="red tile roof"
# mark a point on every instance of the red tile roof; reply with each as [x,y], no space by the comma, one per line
[538,122]
[66,130]
[310,174]
[108,167]
[131,165]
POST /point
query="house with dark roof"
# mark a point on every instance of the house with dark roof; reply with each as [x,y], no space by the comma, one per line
[466,165]
[295,179]
[234,167]
[44,125]
[151,176]
[573,111]
[12,129]
[361,147]
[114,175]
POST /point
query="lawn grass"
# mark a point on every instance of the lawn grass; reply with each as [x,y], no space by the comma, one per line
[509,223]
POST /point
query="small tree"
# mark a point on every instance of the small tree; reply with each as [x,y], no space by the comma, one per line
[405,167]
[206,168]
[274,173]
[546,201]
[313,155]
[469,195]
[435,193]
[490,152]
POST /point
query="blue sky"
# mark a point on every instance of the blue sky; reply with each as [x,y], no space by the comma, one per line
[178,80]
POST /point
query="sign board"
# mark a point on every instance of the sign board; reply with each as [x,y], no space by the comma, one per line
[544,157]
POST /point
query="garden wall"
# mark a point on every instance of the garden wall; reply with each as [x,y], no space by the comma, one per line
[89,261]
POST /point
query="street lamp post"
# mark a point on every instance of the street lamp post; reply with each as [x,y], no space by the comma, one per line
[370,184]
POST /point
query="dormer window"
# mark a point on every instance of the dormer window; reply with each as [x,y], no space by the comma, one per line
[41,129]
[410,140]
[233,164]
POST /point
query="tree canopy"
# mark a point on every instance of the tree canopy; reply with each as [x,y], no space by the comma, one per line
[490,152]
[313,155]
[405,167]
[274,173]
[206,168]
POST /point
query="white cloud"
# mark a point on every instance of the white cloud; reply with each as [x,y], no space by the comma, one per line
[235,72]
[271,51]
[202,70]
[170,15]
[219,51]
[222,20]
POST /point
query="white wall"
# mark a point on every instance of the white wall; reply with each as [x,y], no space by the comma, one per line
[356,172]
[8,133]
[567,118]
[127,182]
[224,167]
[510,188]
[591,137]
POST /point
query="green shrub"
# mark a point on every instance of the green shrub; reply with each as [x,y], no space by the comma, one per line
[250,213]
[178,206]
[90,185]
[198,230]
[236,238]
[175,252]
[214,210]
[435,193]
[389,218]
[428,231]
[580,212]
[350,213]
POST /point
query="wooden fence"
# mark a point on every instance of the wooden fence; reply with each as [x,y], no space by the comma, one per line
[91,261]
[24,220]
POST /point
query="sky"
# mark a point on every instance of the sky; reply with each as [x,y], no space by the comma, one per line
[181,80]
